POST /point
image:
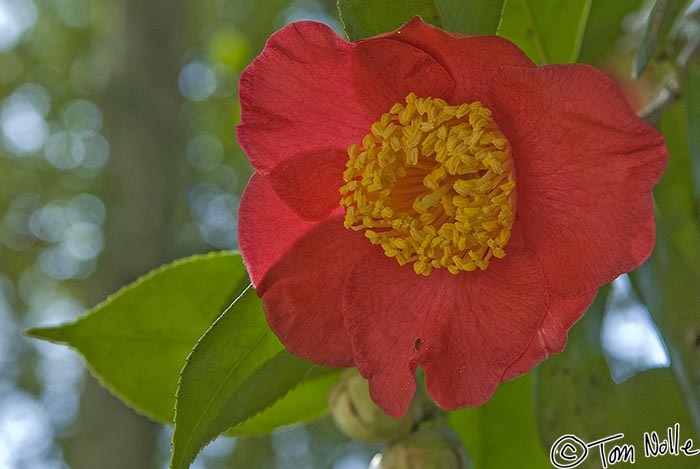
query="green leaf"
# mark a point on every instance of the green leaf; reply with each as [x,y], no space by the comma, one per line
[502,432]
[661,19]
[576,395]
[303,404]
[549,31]
[675,194]
[604,28]
[137,340]
[579,373]
[691,99]
[668,281]
[365,18]
[235,371]
[477,17]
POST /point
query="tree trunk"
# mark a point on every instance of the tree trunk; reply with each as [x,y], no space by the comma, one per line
[141,107]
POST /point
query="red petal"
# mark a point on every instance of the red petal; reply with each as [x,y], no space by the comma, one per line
[385,71]
[287,98]
[585,166]
[309,184]
[299,268]
[470,60]
[551,337]
[302,294]
[464,330]
[309,89]
[267,228]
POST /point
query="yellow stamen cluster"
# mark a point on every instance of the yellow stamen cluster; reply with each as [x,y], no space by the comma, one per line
[433,185]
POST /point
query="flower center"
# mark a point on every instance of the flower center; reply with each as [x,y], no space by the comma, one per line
[433,185]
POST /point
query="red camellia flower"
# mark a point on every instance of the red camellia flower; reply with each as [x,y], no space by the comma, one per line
[423,198]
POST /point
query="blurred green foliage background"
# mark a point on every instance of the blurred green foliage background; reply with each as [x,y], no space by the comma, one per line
[118,153]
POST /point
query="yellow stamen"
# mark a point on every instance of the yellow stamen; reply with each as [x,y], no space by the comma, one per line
[433,185]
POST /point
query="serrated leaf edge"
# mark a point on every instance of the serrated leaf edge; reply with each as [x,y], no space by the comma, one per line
[33,332]
[179,382]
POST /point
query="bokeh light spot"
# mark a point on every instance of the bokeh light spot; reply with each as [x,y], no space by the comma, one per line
[204,152]
[74,13]
[16,17]
[197,81]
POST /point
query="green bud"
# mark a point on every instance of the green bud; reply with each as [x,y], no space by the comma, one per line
[360,418]
[433,447]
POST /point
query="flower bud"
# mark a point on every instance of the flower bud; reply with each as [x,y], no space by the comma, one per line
[432,447]
[360,418]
